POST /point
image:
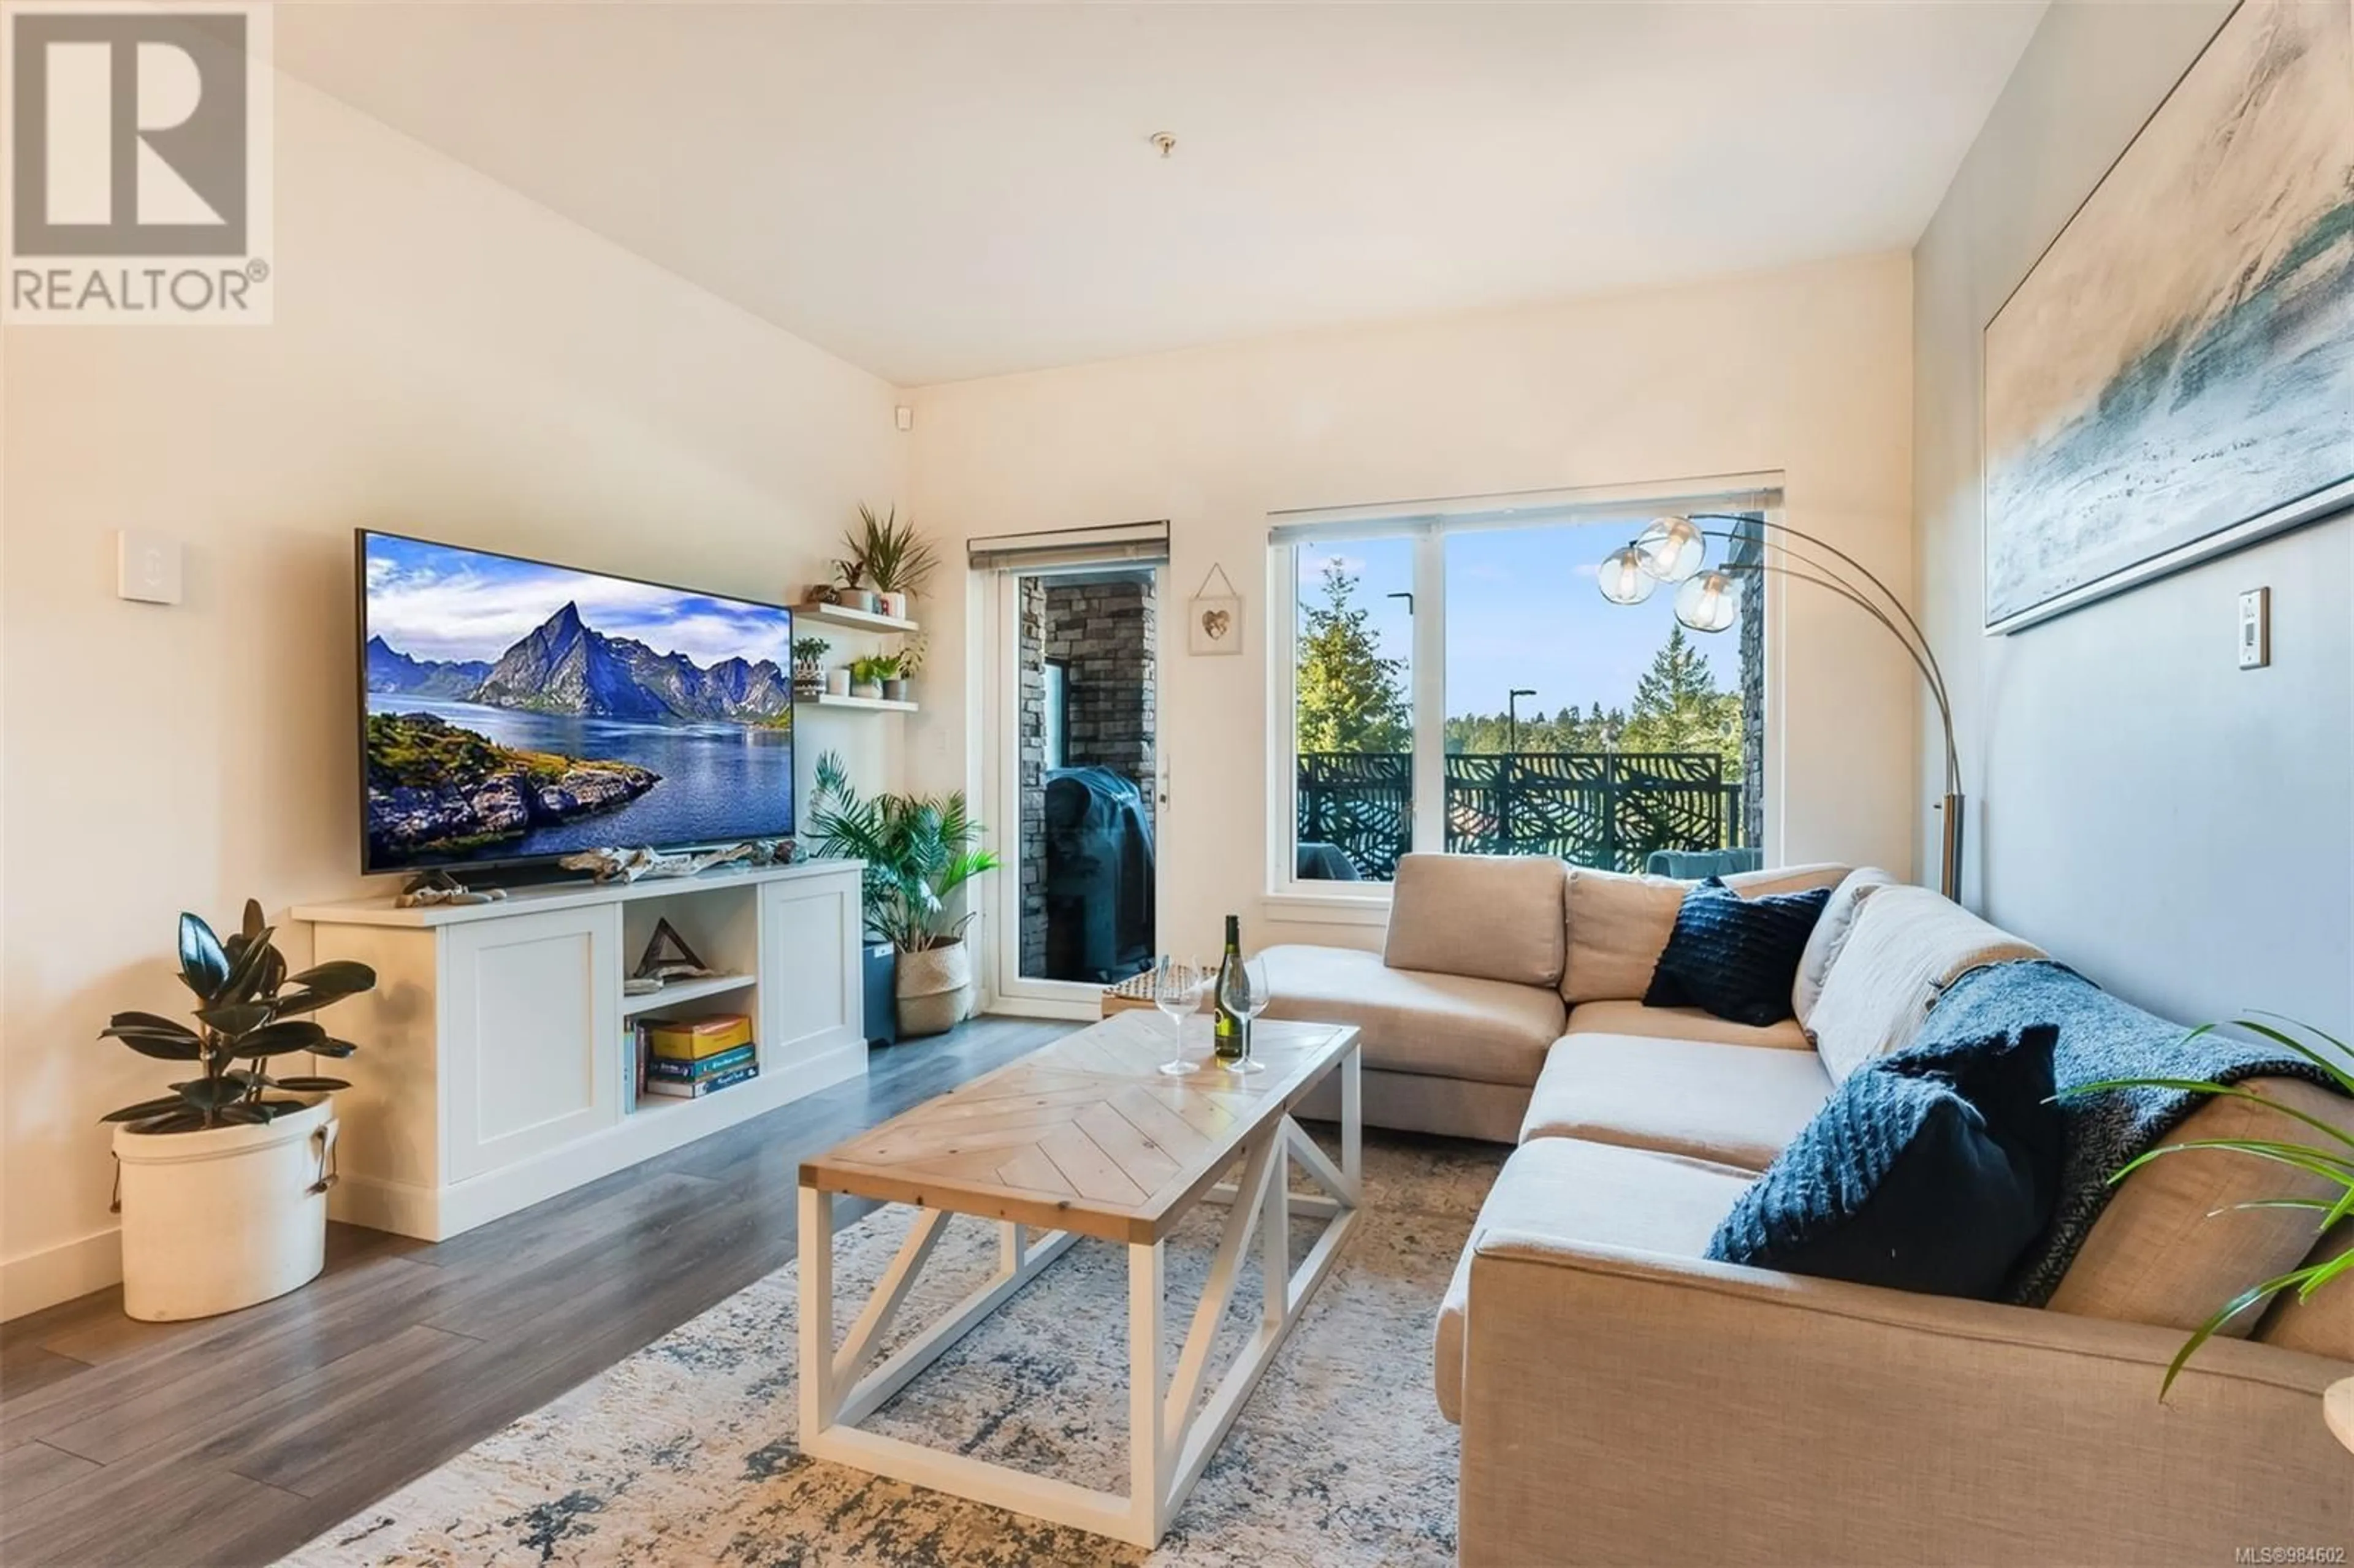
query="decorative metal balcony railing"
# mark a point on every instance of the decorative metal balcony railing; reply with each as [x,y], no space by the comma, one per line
[1590,808]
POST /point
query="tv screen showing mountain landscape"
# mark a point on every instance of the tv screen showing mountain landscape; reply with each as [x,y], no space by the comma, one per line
[516,710]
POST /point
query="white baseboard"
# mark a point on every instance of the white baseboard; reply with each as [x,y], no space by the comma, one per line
[60,1273]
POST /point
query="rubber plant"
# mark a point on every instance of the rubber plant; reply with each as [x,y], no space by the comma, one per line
[249,1012]
[893,558]
[2331,1158]
[919,850]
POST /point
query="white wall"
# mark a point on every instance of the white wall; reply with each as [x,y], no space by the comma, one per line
[448,359]
[2180,830]
[1807,372]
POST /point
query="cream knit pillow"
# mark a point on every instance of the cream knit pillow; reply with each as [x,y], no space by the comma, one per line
[1907,945]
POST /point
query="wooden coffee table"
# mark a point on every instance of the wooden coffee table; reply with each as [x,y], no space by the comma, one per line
[1086,1138]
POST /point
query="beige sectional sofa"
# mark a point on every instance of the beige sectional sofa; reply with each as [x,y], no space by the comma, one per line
[1623,1399]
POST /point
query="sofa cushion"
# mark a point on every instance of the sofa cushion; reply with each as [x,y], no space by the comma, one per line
[1736,958]
[1619,923]
[1442,1026]
[1907,945]
[1491,917]
[1830,935]
[1682,1023]
[2323,1325]
[2171,1249]
[1735,1104]
[1586,1192]
[1933,1172]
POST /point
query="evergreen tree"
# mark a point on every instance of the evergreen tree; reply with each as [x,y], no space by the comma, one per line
[1678,707]
[1351,698]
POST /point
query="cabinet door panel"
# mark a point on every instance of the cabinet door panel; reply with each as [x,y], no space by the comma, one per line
[534,1035]
[809,994]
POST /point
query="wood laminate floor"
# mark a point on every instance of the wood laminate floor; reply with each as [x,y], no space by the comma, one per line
[235,1440]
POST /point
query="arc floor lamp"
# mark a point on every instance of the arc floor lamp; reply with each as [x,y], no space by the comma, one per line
[1708,598]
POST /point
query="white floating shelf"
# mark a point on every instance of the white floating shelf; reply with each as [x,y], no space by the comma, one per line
[685,991]
[870,705]
[852,620]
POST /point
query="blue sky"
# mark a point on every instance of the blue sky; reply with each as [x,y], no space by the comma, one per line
[1522,611]
[437,601]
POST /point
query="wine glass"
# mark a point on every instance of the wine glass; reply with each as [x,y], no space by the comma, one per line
[1244,989]
[1177,991]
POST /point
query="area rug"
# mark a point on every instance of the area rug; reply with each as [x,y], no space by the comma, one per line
[684,1452]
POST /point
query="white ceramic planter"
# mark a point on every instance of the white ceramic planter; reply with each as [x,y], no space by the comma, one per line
[895,605]
[218,1220]
[936,990]
[837,683]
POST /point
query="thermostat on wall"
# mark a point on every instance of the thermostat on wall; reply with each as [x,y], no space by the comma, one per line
[147,567]
[2256,629]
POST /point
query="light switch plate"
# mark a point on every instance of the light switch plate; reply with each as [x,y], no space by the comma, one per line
[2256,629]
[147,567]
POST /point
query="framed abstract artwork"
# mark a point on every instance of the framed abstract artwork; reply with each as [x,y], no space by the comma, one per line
[2175,377]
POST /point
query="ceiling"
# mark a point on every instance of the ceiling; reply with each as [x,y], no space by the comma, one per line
[940,192]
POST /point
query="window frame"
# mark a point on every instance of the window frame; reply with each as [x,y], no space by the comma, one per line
[1287,896]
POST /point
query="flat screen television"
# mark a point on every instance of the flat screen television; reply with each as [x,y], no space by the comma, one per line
[514,711]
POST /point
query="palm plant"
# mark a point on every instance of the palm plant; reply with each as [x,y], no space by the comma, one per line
[2332,1160]
[249,1010]
[919,850]
[893,558]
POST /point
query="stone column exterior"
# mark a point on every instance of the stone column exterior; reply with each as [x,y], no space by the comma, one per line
[1748,552]
[1029,715]
[1105,631]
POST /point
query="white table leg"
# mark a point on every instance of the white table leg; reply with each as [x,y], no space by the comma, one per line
[820,1400]
[1148,1455]
[1353,1125]
[1275,1237]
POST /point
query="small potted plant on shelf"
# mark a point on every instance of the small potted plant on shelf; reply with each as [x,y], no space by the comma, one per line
[919,850]
[848,594]
[808,665]
[223,1181]
[892,557]
[911,659]
[868,676]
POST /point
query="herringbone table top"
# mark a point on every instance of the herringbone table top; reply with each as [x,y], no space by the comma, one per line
[1087,1135]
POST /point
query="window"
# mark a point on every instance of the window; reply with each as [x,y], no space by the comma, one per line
[1458,682]
[1352,708]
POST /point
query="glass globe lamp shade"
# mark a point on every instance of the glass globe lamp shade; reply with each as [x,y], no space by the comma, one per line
[1624,579]
[1709,602]
[1672,548]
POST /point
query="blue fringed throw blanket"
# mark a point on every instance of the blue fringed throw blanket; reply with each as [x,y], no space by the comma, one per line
[2100,1038]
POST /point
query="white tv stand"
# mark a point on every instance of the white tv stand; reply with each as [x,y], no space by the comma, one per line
[492,1071]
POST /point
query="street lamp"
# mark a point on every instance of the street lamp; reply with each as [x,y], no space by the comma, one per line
[1708,598]
[1512,716]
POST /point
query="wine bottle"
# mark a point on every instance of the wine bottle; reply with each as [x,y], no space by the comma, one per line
[1230,1031]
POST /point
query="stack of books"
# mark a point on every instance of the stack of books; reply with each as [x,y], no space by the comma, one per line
[686,1058]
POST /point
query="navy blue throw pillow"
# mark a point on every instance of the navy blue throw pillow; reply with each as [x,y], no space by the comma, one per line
[1934,1170]
[1735,957]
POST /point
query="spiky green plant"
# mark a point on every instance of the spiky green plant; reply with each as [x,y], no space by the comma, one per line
[2332,1160]
[249,1011]
[891,554]
[919,850]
